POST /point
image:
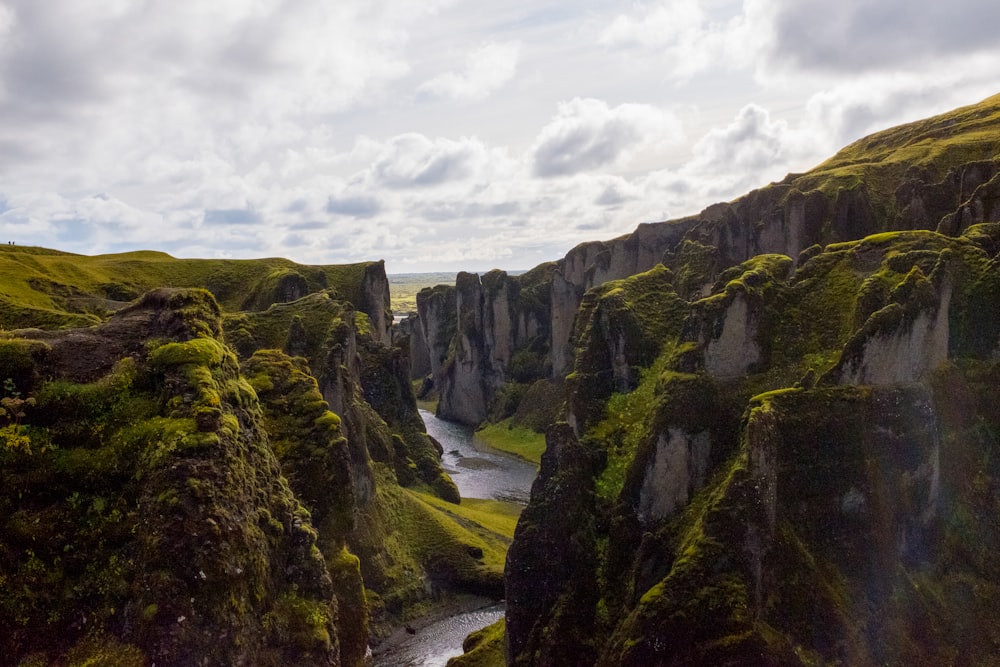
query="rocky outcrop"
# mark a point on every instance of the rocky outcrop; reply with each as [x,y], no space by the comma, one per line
[983,205]
[279,504]
[892,181]
[181,541]
[280,286]
[777,482]
[803,545]
[620,328]
[438,323]
[678,468]
[409,334]
[494,321]
[375,302]
[897,346]
[735,351]
[551,567]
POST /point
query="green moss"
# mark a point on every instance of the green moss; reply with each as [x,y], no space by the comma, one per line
[880,160]
[704,607]
[20,360]
[50,289]
[506,437]
[200,351]
[352,605]
[303,623]
[639,316]
[411,542]
[456,550]
[483,648]
[306,437]
[105,652]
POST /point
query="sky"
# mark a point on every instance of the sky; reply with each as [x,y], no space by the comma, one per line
[443,135]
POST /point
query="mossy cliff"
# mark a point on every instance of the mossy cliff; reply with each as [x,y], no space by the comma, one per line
[780,448]
[146,517]
[486,333]
[184,483]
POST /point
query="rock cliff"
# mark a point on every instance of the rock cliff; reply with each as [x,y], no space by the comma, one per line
[146,515]
[779,443]
[184,483]
[484,333]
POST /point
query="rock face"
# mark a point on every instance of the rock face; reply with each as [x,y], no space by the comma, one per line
[181,471]
[438,323]
[908,351]
[551,567]
[409,333]
[181,540]
[819,518]
[789,425]
[735,350]
[492,321]
[375,301]
[678,469]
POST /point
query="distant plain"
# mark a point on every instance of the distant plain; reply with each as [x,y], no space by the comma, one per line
[403,288]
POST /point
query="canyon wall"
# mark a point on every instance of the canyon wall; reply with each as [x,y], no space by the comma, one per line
[781,442]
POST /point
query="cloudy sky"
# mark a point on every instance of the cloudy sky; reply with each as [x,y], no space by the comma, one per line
[442,134]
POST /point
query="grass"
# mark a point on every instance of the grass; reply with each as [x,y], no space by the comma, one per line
[413,538]
[963,135]
[43,287]
[515,440]
[483,648]
[624,427]
[494,516]
[403,288]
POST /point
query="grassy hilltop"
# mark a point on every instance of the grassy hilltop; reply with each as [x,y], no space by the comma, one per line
[43,287]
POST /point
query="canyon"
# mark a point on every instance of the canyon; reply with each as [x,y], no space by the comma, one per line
[770,438]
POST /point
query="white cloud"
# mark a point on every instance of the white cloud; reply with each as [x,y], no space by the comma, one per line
[284,127]
[486,70]
[857,35]
[751,143]
[661,24]
[415,161]
[587,134]
[683,37]
[854,107]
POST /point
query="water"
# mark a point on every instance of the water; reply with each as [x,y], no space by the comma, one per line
[479,472]
[432,645]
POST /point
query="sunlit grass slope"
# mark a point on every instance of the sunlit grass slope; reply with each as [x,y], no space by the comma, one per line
[48,288]
[962,136]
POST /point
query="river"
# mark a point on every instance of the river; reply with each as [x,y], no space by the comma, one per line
[479,472]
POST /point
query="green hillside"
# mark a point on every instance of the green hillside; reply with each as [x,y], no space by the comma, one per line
[48,288]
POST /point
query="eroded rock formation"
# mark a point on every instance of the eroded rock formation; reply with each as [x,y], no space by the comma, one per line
[790,425]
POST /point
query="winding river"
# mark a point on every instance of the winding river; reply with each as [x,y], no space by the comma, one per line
[479,472]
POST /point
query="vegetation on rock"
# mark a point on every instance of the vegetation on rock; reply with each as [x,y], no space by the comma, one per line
[784,434]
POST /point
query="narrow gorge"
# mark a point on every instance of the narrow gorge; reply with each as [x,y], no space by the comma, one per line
[771,438]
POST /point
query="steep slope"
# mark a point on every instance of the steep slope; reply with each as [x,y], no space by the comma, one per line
[779,452]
